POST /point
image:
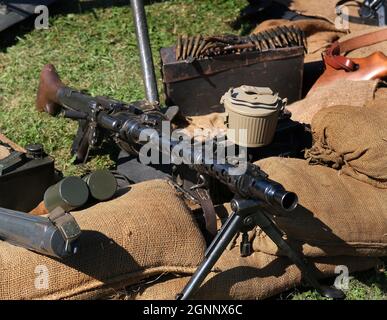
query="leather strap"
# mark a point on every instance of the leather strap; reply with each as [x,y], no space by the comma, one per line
[208,210]
[334,55]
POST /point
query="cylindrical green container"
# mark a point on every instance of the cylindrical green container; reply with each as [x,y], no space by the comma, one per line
[255,110]
[69,193]
[102,184]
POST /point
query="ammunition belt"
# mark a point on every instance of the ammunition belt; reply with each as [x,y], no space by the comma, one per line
[200,47]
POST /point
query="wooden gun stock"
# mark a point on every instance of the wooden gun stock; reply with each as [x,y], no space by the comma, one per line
[49,86]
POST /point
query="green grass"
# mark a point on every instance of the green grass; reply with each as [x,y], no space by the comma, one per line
[93,46]
[370,285]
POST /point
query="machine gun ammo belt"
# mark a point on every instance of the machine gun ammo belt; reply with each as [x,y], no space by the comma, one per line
[199,47]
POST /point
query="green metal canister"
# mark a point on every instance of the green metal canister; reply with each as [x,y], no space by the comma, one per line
[102,184]
[69,193]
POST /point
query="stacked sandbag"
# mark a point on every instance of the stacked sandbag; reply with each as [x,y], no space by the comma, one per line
[258,276]
[344,92]
[337,214]
[340,222]
[353,141]
[146,232]
[326,10]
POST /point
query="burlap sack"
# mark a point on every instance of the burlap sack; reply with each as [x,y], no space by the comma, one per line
[351,140]
[379,101]
[204,127]
[326,10]
[147,231]
[344,92]
[259,276]
[337,215]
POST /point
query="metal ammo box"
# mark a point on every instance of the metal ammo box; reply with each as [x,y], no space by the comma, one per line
[24,177]
[198,86]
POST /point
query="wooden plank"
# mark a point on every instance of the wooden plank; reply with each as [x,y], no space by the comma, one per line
[12,144]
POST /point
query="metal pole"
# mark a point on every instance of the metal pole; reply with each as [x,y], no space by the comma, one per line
[143,42]
[212,256]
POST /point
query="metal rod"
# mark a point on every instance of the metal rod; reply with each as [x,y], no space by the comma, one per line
[224,238]
[141,27]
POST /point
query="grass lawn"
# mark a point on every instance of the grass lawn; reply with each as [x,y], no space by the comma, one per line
[93,46]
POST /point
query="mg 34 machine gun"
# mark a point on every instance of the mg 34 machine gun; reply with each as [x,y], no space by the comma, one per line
[256,197]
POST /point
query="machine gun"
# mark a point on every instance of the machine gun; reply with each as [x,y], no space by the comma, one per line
[257,198]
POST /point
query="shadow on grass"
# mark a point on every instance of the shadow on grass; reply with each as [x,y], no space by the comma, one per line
[10,36]
[258,11]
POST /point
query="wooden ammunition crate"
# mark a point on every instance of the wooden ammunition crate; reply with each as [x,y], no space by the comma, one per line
[198,86]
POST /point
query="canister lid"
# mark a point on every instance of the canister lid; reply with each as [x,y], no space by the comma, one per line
[252,101]
[102,184]
[69,193]
[73,191]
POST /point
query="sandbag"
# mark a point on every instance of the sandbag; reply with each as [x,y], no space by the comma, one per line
[204,127]
[337,215]
[379,101]
[345,92]
[147,231]
[259,276]
[327,10]
[353,141]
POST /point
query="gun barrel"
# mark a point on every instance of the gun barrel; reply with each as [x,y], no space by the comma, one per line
[34,233]
[273,193]
[252,183]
